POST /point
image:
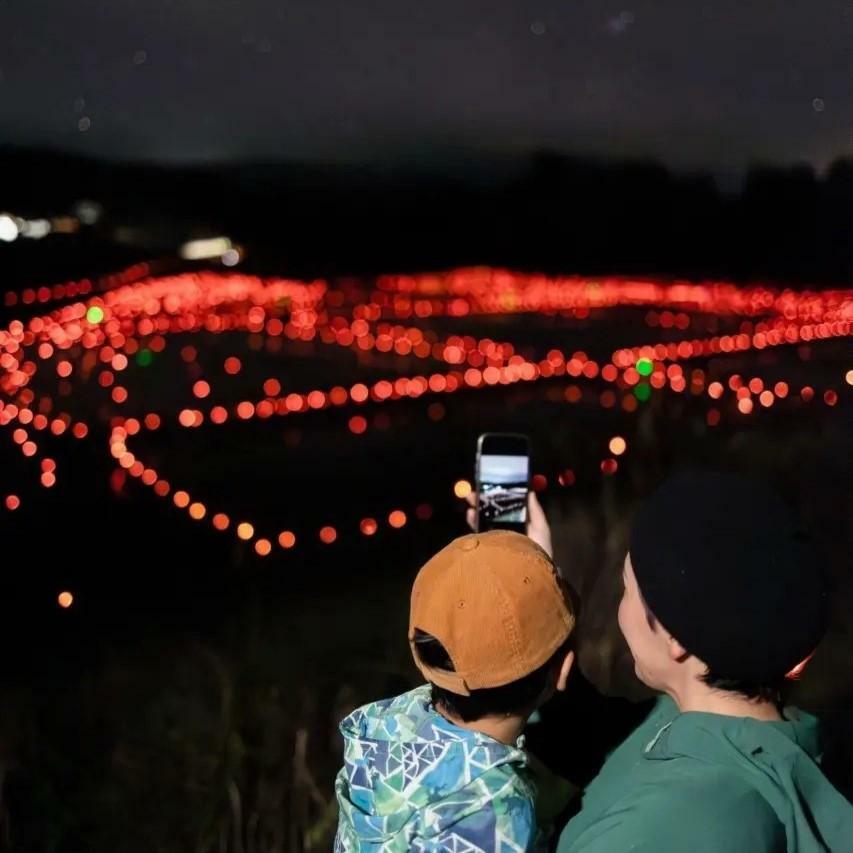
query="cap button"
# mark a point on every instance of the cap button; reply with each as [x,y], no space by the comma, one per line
[470,544]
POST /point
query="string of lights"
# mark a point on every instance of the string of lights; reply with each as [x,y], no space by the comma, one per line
[126,320]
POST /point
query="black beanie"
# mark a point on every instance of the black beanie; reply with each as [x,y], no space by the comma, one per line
[722,564]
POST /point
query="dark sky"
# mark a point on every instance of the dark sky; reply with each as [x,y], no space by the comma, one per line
[712,84]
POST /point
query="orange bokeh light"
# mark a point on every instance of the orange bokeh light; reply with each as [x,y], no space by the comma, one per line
[286,539]
[263,547]
[397,518]
[221,521]
[328,534]
[65,600]
[617,445]
[245,530]
[198,511]
[461,488]
[181,499]
[368,526]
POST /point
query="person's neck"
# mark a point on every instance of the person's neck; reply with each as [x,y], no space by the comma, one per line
[700,697]
[503,729]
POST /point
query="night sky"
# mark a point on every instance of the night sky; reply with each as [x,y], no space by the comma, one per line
[709,85]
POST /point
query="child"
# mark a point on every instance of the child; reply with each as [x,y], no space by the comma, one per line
[442,767]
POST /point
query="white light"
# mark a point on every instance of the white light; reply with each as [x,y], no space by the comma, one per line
[87,211]
[230,258]
[8,228]
[213,247]
[35,229]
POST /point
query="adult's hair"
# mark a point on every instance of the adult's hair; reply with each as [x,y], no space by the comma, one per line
[751,690]
[516,697]
[718,681]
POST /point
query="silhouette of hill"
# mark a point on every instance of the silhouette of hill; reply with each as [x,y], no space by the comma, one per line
[552,212]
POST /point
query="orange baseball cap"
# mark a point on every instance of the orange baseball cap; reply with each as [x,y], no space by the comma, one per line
[496,603]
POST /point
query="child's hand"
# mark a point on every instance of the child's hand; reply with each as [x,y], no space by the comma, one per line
[538,528]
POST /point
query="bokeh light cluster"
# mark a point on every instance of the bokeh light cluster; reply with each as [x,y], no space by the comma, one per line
[81,336]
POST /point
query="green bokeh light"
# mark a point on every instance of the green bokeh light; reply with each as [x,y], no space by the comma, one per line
[95,314]
[144,357]
[642,391]
[644,366]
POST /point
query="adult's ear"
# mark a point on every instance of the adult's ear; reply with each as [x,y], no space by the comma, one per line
[676,650]
[565,669]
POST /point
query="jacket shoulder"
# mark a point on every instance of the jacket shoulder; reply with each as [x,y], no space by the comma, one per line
[717,811]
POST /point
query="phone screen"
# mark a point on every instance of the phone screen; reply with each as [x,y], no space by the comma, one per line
[502,483]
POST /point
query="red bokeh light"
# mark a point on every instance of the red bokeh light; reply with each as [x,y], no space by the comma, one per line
[357,424]
[201,389]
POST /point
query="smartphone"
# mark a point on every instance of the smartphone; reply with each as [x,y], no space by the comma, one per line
[502,477]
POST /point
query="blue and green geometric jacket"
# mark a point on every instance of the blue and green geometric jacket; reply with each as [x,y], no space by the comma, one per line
[414,781]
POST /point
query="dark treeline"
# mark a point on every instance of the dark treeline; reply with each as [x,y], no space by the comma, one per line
[553,213]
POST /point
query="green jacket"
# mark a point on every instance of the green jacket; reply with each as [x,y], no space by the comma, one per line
[700,782]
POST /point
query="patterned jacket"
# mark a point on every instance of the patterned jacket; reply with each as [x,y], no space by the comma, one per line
[414,781]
